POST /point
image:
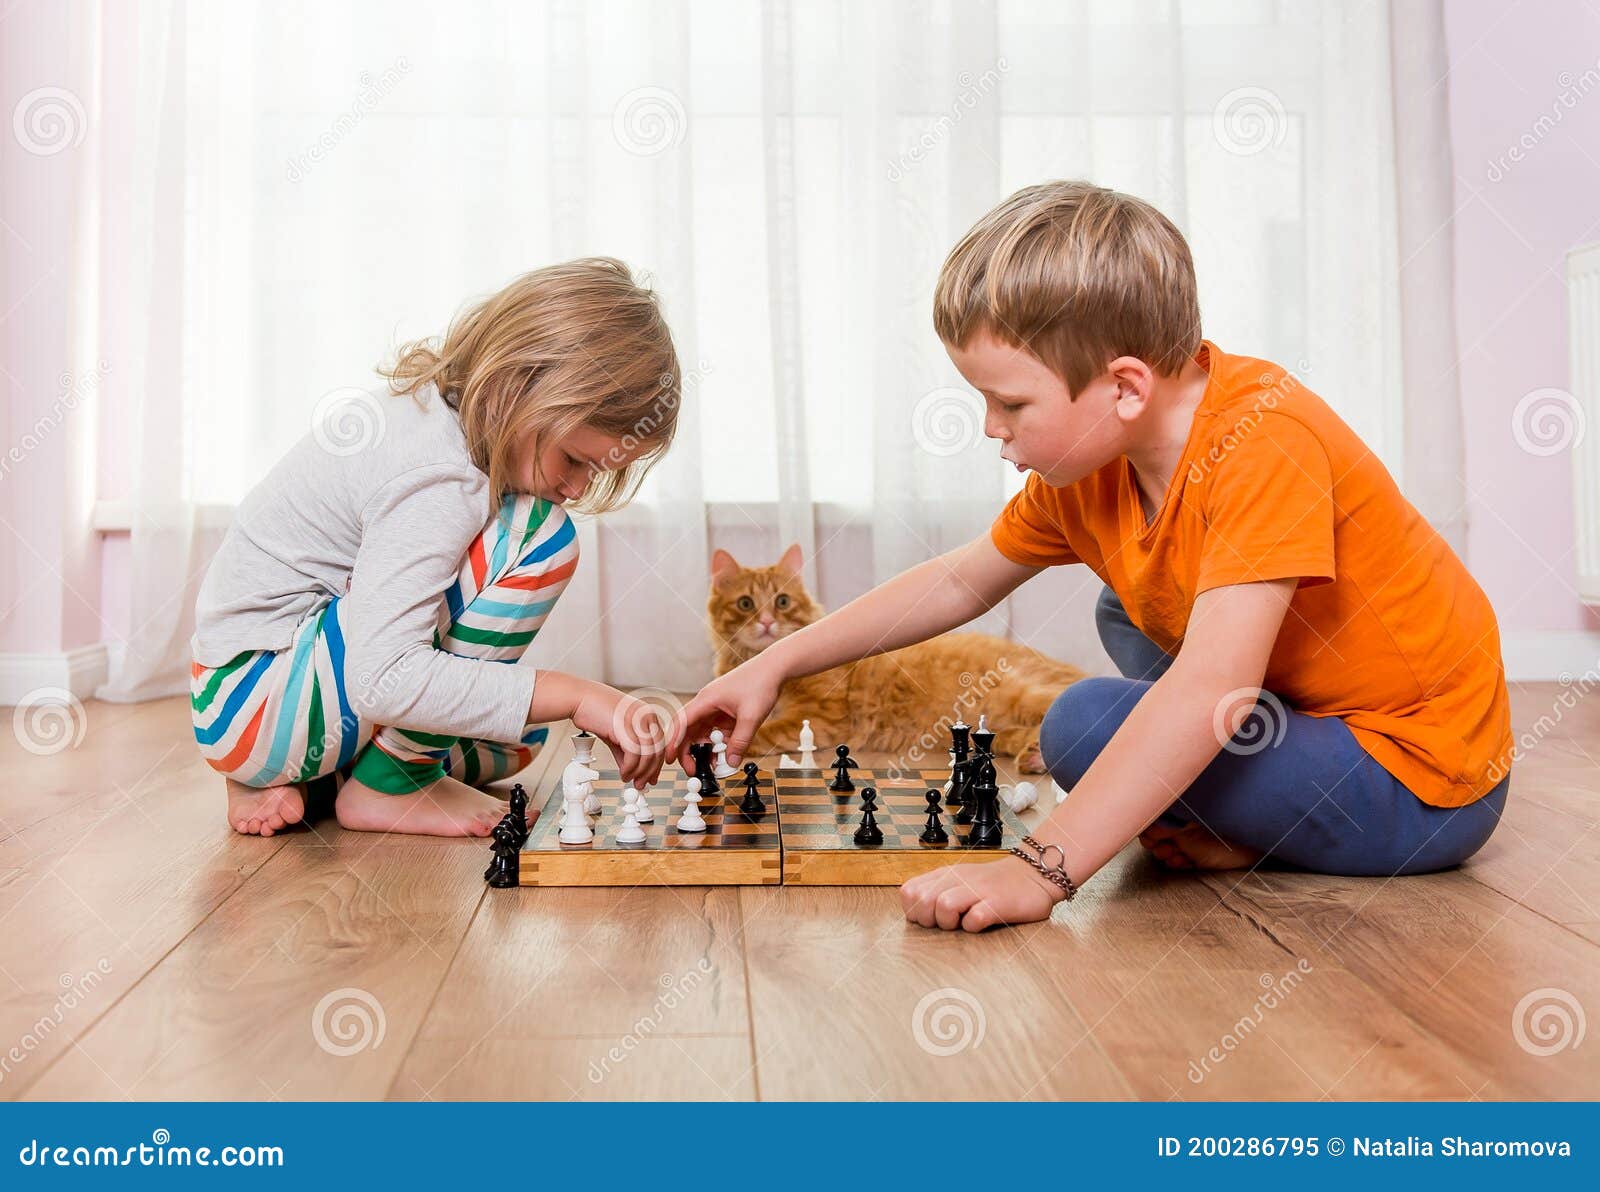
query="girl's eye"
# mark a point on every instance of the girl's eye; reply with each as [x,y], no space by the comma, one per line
[746,605]
[783,601]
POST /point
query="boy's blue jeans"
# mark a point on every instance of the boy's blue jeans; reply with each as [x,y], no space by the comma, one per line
[1315,799]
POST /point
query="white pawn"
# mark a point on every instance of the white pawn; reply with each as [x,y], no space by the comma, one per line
[1021,797]
[808,739]
[630,832]
[575,827]
[690,820]
[641,810]
[719,749]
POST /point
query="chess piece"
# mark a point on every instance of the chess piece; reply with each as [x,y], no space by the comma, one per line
[1021,797]
[583,747]
[519,811]
[690,820]
[808,739]
[985,807]
[630,832]
[933,831]
[578,780]
[841,770]
[575,827]
[869,832]
[503,871]
[751,804]
[719,751]
[641,809]
[1061,795]
[703,770]
[955,789]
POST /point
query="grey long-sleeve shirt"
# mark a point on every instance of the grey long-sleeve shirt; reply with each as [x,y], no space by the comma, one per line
[387,512]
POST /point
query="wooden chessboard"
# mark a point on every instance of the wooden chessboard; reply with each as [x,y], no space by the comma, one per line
[734,850]
[818,829]
[806,836]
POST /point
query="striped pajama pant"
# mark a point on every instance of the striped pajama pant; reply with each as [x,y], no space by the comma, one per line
[281,716]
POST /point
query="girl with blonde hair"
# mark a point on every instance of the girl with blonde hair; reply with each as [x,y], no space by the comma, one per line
[362,619]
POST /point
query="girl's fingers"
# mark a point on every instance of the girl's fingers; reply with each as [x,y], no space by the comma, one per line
[951,904]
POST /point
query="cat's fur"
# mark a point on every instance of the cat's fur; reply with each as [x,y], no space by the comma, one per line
[901,702]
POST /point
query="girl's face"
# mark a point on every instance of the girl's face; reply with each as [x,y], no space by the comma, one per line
[561,472]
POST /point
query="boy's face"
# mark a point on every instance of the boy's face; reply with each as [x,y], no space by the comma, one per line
[1039,425]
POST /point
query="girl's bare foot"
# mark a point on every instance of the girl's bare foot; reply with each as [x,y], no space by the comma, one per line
[263,810]
[1194,846]
[443,808]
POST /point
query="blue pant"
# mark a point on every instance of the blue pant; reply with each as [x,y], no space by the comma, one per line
[1314,799]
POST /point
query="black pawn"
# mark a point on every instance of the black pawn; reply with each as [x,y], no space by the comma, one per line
[503,870]
[933,832]
[841,770]
[869,832]
[752,804]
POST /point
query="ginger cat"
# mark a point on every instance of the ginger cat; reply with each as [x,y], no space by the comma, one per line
[901,702]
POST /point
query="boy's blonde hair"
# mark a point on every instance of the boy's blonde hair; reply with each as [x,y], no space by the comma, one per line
[1078,275]
[579,344]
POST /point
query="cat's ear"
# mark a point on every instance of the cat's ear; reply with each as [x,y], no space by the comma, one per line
[723,566]
[792,560]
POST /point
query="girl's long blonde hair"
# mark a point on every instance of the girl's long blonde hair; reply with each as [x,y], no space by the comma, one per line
[579,344]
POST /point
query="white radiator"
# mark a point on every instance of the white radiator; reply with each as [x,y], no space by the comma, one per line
[1583,313]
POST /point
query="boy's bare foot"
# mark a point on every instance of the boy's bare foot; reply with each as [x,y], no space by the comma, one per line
[443,808]
[1194,846]
[263,810]
[1030,760]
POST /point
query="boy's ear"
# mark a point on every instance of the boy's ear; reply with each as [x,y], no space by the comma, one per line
[723,566]
[1134,380]
[792,559]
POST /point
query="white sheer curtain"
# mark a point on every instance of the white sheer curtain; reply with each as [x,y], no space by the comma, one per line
[790,175]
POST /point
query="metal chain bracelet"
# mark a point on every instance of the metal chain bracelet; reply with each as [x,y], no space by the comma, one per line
[1053,873]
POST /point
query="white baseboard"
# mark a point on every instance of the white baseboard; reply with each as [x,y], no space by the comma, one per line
[1547,655]
[79,671]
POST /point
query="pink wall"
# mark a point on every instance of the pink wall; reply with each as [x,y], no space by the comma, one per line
[1510,66]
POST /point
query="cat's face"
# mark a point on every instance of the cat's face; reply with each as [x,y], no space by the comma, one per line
[752,607]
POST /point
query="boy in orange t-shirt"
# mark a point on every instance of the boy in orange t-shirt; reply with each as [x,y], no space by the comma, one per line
[1309,673]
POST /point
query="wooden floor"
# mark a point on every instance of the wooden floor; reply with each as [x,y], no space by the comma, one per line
[146,951]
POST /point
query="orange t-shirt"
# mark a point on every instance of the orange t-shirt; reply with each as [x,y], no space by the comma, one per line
[1386,630]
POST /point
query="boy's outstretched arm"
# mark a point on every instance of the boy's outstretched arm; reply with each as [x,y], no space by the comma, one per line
[917,604]
[1169,737]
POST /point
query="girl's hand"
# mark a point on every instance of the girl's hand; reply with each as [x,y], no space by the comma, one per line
[631,728]
[972,897]
[737,703]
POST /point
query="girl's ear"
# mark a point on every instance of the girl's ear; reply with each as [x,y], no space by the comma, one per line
[792,559]
[723,566]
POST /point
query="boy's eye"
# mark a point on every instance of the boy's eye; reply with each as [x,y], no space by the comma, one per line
[746,605]
[1012,409]
[782,602]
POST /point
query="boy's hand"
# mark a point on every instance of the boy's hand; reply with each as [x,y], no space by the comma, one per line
[631,728]
[736,702]
[972,897]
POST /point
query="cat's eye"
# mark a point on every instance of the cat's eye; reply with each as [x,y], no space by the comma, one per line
[746,605]
[782,601]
